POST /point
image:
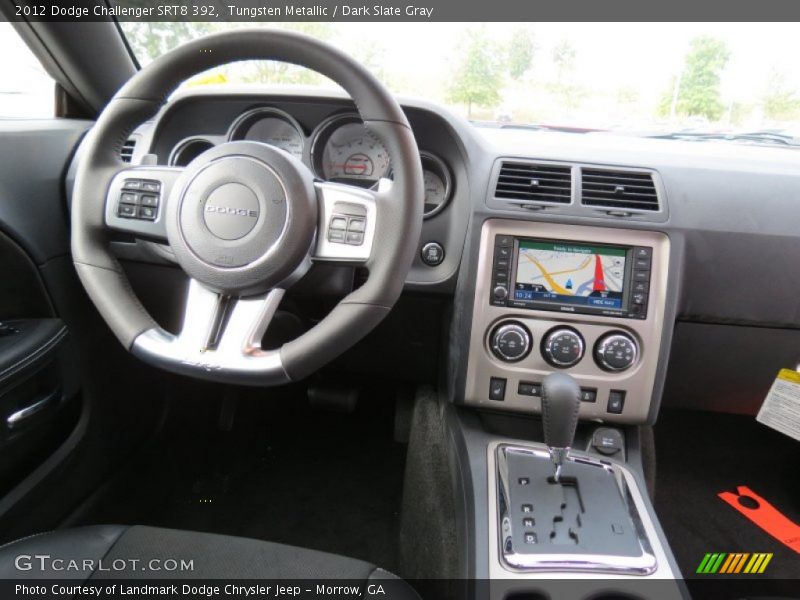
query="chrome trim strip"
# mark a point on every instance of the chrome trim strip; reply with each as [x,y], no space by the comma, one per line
[20,417]
[644,564]
[238,357]
[651,563]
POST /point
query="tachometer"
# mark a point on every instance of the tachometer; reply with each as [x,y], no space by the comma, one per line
[270,126]
[344,150]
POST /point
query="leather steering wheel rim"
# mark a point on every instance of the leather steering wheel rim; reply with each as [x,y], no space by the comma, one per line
[397,221]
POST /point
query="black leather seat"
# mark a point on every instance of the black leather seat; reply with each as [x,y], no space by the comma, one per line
[107,547]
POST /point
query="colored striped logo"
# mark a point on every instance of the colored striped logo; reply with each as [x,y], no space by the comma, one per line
[733,563]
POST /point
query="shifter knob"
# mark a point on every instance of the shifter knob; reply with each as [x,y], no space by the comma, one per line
[561,399]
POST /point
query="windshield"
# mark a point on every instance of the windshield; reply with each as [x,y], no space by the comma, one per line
[632,77]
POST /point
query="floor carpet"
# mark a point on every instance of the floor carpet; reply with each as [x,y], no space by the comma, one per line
[287,474]
[702,454]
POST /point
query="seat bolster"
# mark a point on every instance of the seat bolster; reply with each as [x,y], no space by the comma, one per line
[51,555]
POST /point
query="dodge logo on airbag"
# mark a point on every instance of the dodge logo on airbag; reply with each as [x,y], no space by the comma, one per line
[226,210]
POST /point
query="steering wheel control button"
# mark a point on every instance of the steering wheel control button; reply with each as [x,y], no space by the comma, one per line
[529,388]
[127,211]
[148,213]
[510,341]
[357,225]
[336,235]
[133,204]
[616,402]
[354,238]
[347,229]
[432,254]
[588,395]
[616,351]
[497,389]
[231,211]
[563,347]
[338,222]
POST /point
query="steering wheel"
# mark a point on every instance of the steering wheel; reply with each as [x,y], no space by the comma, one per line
[245,221]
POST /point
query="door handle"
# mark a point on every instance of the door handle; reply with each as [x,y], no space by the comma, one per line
[21,417]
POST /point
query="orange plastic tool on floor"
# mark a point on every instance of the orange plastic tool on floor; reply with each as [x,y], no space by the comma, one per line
[766,516]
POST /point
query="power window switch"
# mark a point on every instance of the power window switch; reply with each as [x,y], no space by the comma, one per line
[497,389]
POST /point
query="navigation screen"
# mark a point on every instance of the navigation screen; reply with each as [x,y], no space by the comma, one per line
[570,274]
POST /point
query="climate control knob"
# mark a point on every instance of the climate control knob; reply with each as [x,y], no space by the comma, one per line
[510,341]
[616,351]
[563,347]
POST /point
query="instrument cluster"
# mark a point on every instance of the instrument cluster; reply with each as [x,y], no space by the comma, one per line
[339,149]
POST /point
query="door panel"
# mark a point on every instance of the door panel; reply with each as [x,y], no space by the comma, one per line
[38,383]
[79,404]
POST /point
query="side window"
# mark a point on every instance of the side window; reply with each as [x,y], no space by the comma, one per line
[26,90]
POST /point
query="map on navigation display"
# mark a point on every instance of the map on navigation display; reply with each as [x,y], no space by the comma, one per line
[570,273]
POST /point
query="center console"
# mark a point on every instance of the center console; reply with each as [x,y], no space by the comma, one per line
[587,301]
[567,324]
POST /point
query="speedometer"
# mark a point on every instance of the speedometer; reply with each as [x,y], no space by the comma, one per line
[270,126]
[344,150]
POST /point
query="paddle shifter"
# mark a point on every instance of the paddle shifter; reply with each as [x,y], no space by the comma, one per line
[561,399]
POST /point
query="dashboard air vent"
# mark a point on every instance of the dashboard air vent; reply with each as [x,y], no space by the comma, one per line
[126,154]
[618,190]
[534,182]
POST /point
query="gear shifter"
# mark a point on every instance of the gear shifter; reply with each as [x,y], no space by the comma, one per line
[561,399]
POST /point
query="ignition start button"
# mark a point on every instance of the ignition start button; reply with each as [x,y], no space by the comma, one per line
[432,254]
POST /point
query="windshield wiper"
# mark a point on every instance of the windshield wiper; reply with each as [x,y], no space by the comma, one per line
[756,137]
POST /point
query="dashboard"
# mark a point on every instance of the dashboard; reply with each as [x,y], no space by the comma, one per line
[715,223]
